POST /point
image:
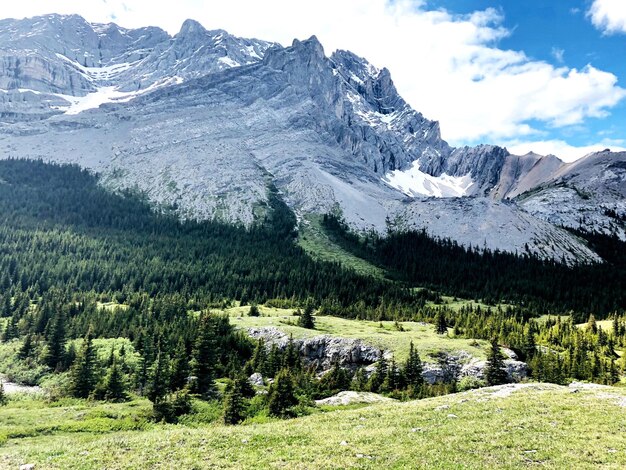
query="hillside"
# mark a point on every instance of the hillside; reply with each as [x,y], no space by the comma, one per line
[201,121]
[501,427]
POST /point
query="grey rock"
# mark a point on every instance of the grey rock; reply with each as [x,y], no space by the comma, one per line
[350,397]
[462,364]
[256,379]
[322,352]
[203,121]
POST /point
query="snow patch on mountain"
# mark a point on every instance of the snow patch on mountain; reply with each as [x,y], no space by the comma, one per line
[414,182]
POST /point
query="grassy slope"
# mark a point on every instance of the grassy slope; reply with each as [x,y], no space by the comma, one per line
[318,244]
[540,425]
[423,336]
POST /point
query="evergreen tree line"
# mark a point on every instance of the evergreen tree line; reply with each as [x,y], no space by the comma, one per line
[548,286]
[556,349]
[62,230]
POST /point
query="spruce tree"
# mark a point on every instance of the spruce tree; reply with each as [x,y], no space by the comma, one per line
[259,357]
[234,404]
[7,309]
[495,371]
[204,357]
[306,320]
[413,369]
[55,340]
[27,347]
[158,379]
[380,373]
[441,326]
[359,381]
[282,395]
[83,373]
[592,325]
[254,311]
[180,367]
[274,361]
[114,386]
[291,357]
[10,330]
[336,379]
[3,395]
[393,380]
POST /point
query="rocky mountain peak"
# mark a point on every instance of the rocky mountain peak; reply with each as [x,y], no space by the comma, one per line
[328,131]
[191,27]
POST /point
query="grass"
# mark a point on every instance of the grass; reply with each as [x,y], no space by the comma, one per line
[540,425]
[426,341]
[456,304]
[26,417]
[318,244]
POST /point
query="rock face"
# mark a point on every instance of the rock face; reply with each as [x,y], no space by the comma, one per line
[322,352]
[350,397]
[462,364]
[204,121]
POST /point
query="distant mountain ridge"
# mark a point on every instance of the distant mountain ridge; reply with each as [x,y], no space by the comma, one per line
[203,121]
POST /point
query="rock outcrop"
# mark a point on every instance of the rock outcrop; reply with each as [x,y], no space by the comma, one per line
[350,397]
[323,351]
[461,364]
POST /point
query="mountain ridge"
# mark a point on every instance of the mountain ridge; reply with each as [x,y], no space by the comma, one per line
[203,120]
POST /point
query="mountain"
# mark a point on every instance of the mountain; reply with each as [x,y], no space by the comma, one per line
[204,122]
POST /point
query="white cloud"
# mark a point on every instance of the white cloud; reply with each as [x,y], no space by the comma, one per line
[558,54]
[608,16]
[562,149]
[447,66]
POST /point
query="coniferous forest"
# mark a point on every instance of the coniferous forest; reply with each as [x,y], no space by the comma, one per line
[111,298]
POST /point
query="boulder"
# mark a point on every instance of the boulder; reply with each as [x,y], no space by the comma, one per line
[351,397]
[256,379]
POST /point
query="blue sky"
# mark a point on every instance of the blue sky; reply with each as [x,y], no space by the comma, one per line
[561,33]
[548,76]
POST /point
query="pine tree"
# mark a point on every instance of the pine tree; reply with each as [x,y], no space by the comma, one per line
[3,395]
[291,357]
[393,380]
[441,326]
[234,404]
[282,395]
[114,386]
[83,373]
[336,379]
[495,371]
[413,368]
[359,381]
[146,347]
[10,329]
[306,320]
[254,311]
[244,385]
[380,373]
[27,347]
[180,367]
[204,356]
[7,309]
[259,357]
[274,361]
[529,342]
[56,340]
[158,379]
[592,325]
